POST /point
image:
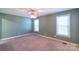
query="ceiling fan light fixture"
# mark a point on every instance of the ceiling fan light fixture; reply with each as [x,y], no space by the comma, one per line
[32,16]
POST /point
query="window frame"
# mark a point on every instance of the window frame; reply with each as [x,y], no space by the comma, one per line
[68,26]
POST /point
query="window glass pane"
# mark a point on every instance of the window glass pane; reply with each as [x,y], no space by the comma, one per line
[63,20]
[36,25]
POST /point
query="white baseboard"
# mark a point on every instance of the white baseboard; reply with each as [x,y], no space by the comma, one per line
[15,36]
[74,44]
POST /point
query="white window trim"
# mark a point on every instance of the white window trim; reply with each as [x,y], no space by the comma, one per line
[61,35]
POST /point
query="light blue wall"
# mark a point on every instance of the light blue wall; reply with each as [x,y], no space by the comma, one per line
[15,25]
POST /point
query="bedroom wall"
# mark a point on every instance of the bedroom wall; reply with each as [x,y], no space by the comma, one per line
[47,25]
[15,25]
[0,26]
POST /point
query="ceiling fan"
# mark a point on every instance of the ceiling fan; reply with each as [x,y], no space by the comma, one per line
[32,12]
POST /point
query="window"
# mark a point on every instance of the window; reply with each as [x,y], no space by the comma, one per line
[63,25]
[36,25]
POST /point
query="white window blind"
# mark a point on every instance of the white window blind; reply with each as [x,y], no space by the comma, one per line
[36,25]
[63,25]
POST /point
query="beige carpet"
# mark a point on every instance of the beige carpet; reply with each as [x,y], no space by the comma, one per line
[35,43]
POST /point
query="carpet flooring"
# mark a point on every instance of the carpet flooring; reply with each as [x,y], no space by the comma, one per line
[35,43]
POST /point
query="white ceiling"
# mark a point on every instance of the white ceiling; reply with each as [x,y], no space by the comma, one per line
[42,11]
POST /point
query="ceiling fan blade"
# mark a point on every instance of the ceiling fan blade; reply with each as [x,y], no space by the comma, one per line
[31,11]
